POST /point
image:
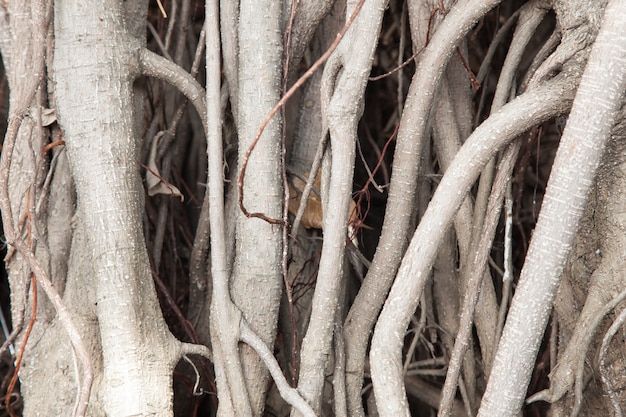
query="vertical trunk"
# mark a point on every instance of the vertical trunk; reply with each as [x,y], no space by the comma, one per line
[94,74]
[257,279]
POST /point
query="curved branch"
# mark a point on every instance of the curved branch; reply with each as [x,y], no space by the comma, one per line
[486,317]
[33,263]
[156,66]
[516,117]
[476,268]
[604,369]
[309,14]
[394,237]
[588,129]
[196,349]
[288,394]
[556,391]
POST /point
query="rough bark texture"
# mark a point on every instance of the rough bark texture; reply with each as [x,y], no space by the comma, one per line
[79,214]
[27,172]
[574,168]
[94,72]
[343,84]
[259,244]
[592,279]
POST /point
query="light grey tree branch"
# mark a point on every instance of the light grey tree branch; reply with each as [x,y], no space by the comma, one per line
[308,17]
[343,84]
[258,249]
[604,368]
[476,268]
[514,118]
[393,241]
[288,394]
[156,66]
[195,349]
[593,113]
[224,316]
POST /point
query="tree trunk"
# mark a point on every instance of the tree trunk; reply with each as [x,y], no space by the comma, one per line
[109,278]
[94,71]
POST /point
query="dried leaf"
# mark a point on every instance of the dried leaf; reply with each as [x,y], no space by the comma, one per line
[48,116]
[313,216]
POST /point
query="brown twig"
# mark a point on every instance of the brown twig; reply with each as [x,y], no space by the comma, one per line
[59,142]
[473,80]
[31,323]
[20,354]
[15,121]
[189,329]
[441,8]
[365,190]
[163,180]
[396,69]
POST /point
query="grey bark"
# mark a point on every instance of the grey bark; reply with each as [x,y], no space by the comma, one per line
[394,237]
[309,14]
[21,195]
[487,139]
[593,113]
[93,95]
[93,92]
[344,81]
[589,290]
[259,244]
[86,205]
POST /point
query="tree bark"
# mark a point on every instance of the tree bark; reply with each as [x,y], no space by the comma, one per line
[572,175]
[94,67]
